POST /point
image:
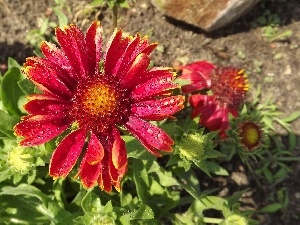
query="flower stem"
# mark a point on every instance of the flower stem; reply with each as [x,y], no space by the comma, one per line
[115,16]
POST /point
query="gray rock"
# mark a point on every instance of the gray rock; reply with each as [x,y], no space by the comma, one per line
[209,15]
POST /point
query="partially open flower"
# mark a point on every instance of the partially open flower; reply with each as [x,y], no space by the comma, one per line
[228,87]
[78,91]
[250,135]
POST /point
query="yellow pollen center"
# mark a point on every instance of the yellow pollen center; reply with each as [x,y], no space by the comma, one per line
[252,135]
[99,100]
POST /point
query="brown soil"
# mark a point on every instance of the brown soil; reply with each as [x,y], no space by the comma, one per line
[239,44]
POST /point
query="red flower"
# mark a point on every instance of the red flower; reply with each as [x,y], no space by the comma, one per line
[95,98]
[228,86]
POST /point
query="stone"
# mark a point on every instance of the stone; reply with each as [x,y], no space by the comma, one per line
[209,15]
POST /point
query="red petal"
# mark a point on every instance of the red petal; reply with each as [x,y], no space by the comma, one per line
[201,103]
[118,152]
[104,180]
[40,129]
[44,107]
[124,61]
[95,151]
[67,153]
[154,86]
[212,115]
[93,41]
[198,73]
[89,174]
[45,77]
[158,109]
[139,66]
[134,48]
[149,135]
[73,44]
[115,48]
[121,173]
[57,58]
[90,166]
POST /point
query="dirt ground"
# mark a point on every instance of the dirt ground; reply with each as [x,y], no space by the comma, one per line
[273,65]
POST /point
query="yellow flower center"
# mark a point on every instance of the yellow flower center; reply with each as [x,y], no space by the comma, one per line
[250,134]
[230,85]
[100,99]
[99,104]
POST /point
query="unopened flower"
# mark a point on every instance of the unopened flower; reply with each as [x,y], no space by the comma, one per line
[228,87]
[250,135]
[235,219]
[20,160]
[96,98]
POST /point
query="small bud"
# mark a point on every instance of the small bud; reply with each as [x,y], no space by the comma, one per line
[250,135]
[235,219]
[21,160]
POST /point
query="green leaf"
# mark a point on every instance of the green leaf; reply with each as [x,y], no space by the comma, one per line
[215,168]
[123,3]
[135,149]
[13,63]
[11,92]
[271,208]
[292,117]
[48,207]
[143,212]
[97,2]
[141,180]
[91,202]
[62,18]
[27,86]
[165,178]
[233,199]
[214,154]
[174,159]
[6,124]
[21,209]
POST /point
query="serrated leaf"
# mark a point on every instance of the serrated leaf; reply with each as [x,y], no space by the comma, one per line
[11,92]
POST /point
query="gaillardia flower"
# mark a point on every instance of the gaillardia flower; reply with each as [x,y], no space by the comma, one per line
[250,135]
[228,87]
[94,94]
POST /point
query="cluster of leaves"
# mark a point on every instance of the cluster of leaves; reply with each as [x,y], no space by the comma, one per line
[270,21]
[154,191]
